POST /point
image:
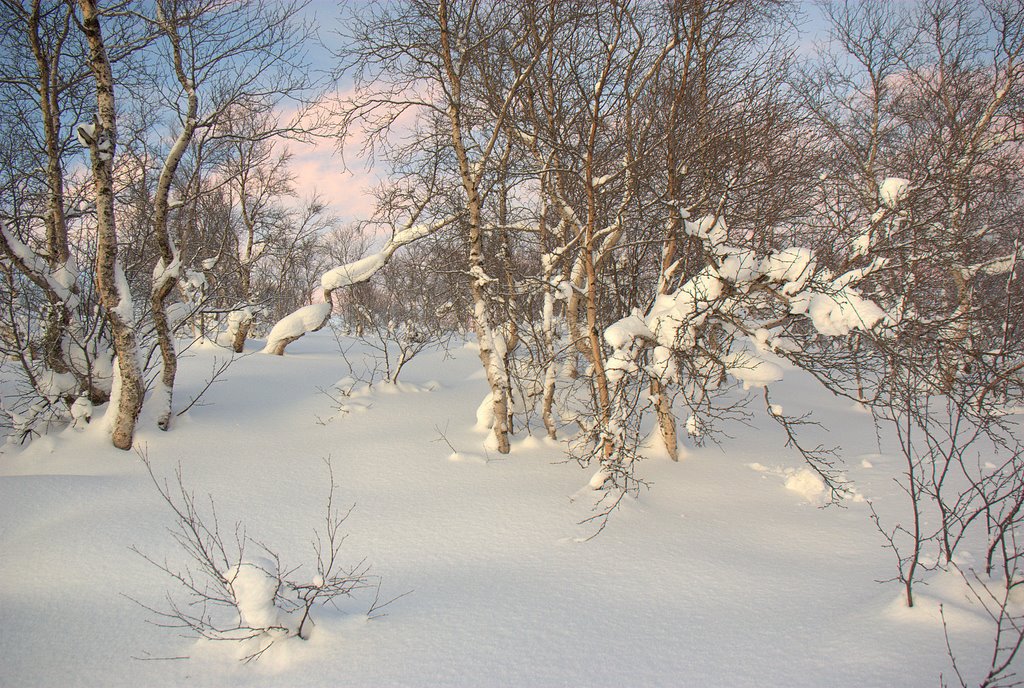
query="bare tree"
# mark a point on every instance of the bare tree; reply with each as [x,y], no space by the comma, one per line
[926,186]
[236,60]
[436,60]
[101,139]
[232,594]
[43,83]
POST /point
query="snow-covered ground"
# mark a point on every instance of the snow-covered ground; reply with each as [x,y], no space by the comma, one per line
[723,573]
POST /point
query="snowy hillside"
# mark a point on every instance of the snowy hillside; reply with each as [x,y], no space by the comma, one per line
[723,573]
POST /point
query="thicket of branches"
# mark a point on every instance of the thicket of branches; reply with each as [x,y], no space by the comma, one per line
[653,202]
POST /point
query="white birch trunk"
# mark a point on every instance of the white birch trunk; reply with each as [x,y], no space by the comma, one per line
[110,282]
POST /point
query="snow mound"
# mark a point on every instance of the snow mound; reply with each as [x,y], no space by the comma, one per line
[255,584]
[808,485]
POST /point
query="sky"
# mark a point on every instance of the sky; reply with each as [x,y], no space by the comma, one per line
[346,185]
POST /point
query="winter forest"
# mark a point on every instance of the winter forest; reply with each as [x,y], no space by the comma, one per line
[681,343]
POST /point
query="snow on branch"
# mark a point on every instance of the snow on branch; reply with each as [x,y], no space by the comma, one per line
[312,318]
[784,282]
[61,282]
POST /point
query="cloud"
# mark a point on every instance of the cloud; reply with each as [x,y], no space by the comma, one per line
[346,191]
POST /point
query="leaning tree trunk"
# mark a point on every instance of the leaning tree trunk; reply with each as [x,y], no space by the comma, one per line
[110,282]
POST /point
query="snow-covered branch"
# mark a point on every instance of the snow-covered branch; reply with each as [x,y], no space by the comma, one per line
[312,318]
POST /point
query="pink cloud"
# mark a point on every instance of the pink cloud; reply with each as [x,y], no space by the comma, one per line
[347,191]
[345,181]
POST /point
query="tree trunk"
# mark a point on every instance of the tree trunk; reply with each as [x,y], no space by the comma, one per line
[110,281]
[242,333]
[470,175]
[164,284]
[666,418]
[58,316]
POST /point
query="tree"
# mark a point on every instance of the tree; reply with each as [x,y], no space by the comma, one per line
[43,83]
[101,140]
[921,110]
[233,60]
[436,60]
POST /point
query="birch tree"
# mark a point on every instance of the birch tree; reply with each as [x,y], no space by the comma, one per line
[436,61]
[235,59]
[933,190]
[43,81]
[101,140]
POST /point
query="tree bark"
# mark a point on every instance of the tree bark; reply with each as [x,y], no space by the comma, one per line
[58,316]
[489,358]
[110,282]
[165,281]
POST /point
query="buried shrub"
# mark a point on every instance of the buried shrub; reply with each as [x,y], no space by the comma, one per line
[234,587]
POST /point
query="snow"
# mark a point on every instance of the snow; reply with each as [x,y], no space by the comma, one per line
[62,280]
[124,309]
[177,312]
[562,288]
[163,272]
[624,331]
[66,275]
[834,306]
[693,426]
[194,281]
[254,585]
[353,273]
[55,385]
[85,133]
[234,322]
[892,190]
[840,313]
[81,411]
[673,317]
[808,485]
[709,227]
[739,266]
[481,277]
[852,277]
[862,244]
[619,365]
[718,575]
[803,481]
[752,370]
[598,479]
[999,266]
[306,319]
[663,364]
[792,267]
[363,269]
